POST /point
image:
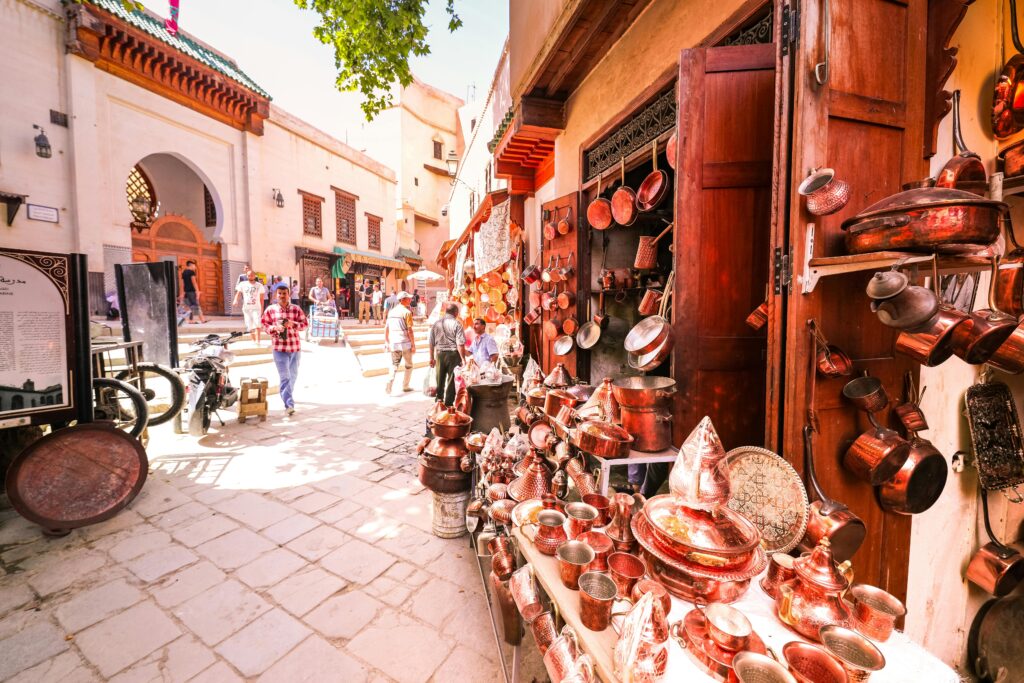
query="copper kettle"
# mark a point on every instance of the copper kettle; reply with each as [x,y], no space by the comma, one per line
[814,598]
[620,530]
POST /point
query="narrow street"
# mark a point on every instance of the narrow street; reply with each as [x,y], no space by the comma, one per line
[298,549]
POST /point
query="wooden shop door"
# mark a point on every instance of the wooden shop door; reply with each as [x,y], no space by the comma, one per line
[723,240]
[175,237]
[862,115]
[559,248]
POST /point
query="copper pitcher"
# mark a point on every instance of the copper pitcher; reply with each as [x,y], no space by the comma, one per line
[550,531]
[624,506]
[814,597]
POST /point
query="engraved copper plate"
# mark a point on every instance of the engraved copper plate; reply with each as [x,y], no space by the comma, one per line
[768,491]
[526,512]
[705,652]
[752,564]
[77,476]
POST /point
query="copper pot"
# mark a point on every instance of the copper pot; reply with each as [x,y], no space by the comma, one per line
[536,396]
[443,482]
[602,439]
[551,228]
[828,518]
[531,274]
[651,428]
[624,209]
[644,392]
[564,226]
[534,316]
[919,483]
[867,393]
[825,193]
[649,302]
[978,338]
[647,250]
[1009,357]
[995,568]
[654,187]
[877,454]
[875,612]
[568,270]
[566,299]
[648,335]
[548,273]
[1009,285]
[552,328]
[812,664]
[555,399]
[1012,159]
[932,343]
[599,212]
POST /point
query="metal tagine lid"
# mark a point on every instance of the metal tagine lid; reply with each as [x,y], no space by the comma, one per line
[921,198]
[888,284]
[535,482]
[558,377]
[700,475]
[602,404]
[819,568]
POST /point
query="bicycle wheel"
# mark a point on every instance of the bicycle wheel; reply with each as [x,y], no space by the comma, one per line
[121,404]
[160,386]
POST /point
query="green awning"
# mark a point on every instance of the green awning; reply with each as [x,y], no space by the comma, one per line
[409,255]
[349,256]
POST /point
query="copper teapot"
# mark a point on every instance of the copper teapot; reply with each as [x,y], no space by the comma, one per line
[814,598]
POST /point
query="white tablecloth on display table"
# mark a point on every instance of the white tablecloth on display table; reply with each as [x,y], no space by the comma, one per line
[905,660]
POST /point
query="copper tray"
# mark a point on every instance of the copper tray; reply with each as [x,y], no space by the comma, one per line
[766,490]
[724,533]
[77,476]
[693,589]
[526,512]
[706,653]
[644,533]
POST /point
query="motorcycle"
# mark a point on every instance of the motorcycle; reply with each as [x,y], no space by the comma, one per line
[208,388]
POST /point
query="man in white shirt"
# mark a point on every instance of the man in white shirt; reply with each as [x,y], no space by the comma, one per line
[399,340]
[375,302]
[319,295]
[250,293]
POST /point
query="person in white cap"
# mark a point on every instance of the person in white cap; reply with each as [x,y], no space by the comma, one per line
[400,341]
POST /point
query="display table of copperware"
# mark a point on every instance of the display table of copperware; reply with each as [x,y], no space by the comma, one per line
[905,659]
[635,458]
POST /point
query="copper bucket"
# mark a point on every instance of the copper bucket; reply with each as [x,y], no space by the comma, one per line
[650,302]
[647,251]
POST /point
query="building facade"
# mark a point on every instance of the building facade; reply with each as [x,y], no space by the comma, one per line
[163,149]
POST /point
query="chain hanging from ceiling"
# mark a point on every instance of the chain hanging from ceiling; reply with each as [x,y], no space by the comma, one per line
[656,118]
[752,34]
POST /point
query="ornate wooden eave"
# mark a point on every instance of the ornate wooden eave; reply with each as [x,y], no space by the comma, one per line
[944,16]
[525,153]
[124,51]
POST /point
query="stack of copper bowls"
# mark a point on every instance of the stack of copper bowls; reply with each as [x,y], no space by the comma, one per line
[697,554]
[439,463]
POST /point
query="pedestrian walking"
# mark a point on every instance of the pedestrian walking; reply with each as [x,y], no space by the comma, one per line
[375,302]
[415,301]
[400,341]
[250,294]
[191,292]
[283,321]
[389,303]
[296,292]
[447,351]
[483,348]
[318,294]
[246,269]
[365,297]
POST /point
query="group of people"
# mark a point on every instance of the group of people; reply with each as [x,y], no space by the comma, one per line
[374,306]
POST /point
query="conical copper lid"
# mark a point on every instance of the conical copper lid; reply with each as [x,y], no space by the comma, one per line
[700,474]
[559,377]
[601,405]
[534,483]
[819,568]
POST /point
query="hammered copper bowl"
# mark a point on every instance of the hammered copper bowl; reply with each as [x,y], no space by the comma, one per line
[626,569]
[603,506]
[496,492]
[727,626]
[857,654]
[752,667]
[811,664]
[602,546]
[875,612]
[501,511]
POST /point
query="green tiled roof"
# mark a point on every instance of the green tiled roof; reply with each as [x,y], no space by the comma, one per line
[405,252]
[155,27]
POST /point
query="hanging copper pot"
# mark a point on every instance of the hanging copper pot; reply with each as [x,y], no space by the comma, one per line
[964,170]
[825,193]
[551,227]
[654,187]
[932,343]
[1011,159]
[978,337]
[647,251]
[564,225]
[624,209]
[569,269]
[566,299]
[599,213]
[1009,285]
[877,454]
[671,149]
[1008,99]
[995,568]
[919,483]
[570,326]
[548,300]
[552,328]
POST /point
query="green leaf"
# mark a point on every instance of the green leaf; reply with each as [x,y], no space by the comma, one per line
[373,41]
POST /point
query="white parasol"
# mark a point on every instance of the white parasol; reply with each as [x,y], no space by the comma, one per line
[424,275]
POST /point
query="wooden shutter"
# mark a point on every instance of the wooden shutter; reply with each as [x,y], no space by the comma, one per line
[312,220]
[866,122]
[373,231]
[345,217]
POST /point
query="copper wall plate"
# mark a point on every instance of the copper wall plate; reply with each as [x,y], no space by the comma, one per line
[77,476]
[768,491]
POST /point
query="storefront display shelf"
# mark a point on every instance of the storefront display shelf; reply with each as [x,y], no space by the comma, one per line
[635,458]
[818,268]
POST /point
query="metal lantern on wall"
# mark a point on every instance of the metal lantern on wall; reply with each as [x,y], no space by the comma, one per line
[43,148]
[278,197]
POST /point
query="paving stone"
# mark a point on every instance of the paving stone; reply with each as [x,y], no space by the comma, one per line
[314,502]
[178,661]
[235,549]
[17,529]
[68,667]
[344,615]
[415,546]
[220,611]
[254,510]
[67,570]
[472,628]
[253,649]
[13,596]
[203,530]
[125,638]
[422,649]
[212,496]
[316,543]
[403,481]
[139,544]
[91,606]
[357,561]
[30,646]
[184,514]
[315,661]
[125,519]
[152,566]
[270,568]
[464,664]
[289,529]
[438,602]
[156,497]
[377,475]
[342,485]
[338,513]
[293,493]
[302,592]
[389,591]
[218,673]
[187,583]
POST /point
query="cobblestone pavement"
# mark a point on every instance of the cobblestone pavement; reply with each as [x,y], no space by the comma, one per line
[298,549]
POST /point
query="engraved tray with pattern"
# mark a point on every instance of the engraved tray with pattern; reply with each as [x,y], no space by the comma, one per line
[768,491]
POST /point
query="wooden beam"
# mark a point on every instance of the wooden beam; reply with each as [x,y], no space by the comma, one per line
[597,25]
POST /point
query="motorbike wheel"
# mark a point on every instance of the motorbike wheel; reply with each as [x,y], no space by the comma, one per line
[199,419]
[121,404]
[160,386]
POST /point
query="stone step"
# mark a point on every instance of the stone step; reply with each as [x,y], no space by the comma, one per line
[369,330]
[378,340]
[373,365]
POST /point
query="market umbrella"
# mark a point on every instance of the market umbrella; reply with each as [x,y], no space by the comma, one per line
[424,275]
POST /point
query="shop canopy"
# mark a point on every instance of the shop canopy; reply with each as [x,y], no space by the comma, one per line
[350,256]
[483,213]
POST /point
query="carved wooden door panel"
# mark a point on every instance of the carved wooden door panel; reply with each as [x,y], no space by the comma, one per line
[723,238]
[560,249]
[858,96]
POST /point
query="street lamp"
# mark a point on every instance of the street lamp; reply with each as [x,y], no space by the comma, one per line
[141,205]
[43,149]
[277,197]
[452,162]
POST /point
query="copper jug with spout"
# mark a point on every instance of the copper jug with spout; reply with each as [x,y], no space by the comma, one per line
[814,597]
[620,530]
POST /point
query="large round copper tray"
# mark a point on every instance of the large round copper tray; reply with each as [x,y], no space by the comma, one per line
[673,558]
[76,476]
[693,589]
[723,532]
[713,659]
[766,490]
[526,512]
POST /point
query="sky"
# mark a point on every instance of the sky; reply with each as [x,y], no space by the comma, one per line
[272,41]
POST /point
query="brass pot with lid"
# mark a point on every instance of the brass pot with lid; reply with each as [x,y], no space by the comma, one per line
[814,597]
[558,377]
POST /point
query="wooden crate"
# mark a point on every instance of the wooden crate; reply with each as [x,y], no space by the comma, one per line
[253,398]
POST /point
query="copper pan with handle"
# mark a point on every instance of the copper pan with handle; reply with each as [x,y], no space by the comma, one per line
[599,212]
[965,170]
[654,187]
[653,332]
[932,343]
[1009,283]
[977,338]
[624,209]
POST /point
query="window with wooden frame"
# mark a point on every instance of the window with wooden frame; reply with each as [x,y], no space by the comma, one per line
[312,220]
[210,208]
[345,217]
[438,149]
[373,231]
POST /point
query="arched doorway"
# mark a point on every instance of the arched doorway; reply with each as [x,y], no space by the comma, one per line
[176,238]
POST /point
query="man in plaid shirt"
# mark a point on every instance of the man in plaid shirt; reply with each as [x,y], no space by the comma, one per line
[283,321]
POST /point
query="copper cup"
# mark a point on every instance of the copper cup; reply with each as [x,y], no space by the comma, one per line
[524,592]
[603,506]
[581,518]
[543,627]
[503,564]
[867,393]
[644,586]
[626,569]
[727,626]
[500,545]
[602,547]
[780,570]
[875,612]
[597,593]
[857,654]
[560,659]
[753,667]
[811,664]
[573,559]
